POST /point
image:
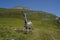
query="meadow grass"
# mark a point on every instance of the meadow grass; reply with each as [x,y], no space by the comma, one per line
[41,30]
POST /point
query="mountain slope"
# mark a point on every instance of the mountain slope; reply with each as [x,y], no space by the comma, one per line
[43,25]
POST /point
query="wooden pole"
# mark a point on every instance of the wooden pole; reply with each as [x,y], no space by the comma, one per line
[25,20]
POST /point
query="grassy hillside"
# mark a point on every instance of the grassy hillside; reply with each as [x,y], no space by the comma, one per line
[43,27]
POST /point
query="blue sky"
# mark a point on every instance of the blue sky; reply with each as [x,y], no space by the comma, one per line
[50,6]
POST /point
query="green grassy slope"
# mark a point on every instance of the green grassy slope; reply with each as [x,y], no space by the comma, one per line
[41,29]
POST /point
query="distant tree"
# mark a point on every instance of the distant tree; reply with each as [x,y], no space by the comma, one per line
[58,20]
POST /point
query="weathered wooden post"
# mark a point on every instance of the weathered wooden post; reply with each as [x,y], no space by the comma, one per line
[25,21]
